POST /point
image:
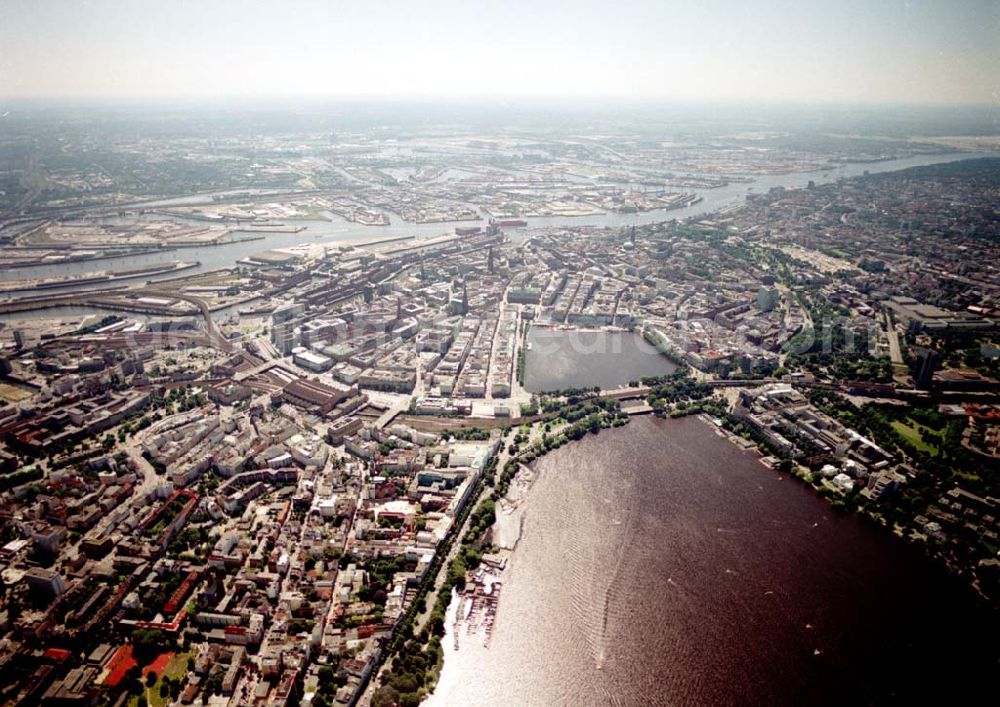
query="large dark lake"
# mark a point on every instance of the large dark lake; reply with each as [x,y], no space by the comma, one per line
[570,358]
[659,564]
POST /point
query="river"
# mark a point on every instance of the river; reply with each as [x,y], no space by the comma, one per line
[337,230]
[659,564]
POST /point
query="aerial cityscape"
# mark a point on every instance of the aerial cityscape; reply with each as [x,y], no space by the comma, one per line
[392,399]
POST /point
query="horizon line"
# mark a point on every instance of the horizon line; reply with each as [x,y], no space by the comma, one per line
[482,99]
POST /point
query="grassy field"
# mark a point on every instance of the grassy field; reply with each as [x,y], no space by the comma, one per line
[921,437]
[175,668]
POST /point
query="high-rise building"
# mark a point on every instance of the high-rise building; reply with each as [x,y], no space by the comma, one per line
[43,583]
[283,337]
[767,298]
[926,365]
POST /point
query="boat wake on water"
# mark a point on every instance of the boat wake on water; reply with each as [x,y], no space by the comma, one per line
[598,574]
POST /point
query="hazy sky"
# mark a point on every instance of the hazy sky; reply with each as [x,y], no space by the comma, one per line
[798,50]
